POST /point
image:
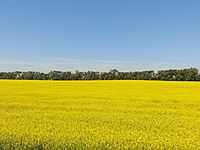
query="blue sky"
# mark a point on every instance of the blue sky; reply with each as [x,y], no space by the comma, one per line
[99,35]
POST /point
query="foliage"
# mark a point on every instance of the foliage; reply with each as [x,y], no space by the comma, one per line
[191,74]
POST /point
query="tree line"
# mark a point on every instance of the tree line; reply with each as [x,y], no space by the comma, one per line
[191,74]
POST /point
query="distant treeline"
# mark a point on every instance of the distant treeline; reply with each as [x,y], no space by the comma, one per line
[191,74]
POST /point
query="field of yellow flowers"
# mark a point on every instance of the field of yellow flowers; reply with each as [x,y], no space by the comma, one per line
[99,115]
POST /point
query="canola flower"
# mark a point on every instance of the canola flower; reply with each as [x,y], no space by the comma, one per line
[99,115]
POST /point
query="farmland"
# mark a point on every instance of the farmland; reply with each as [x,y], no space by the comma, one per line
[99,115]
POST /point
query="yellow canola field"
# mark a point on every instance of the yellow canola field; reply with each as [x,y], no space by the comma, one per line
[99,115]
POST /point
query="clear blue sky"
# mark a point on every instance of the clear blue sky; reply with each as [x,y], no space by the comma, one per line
[101,34]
